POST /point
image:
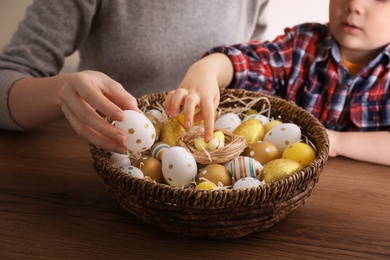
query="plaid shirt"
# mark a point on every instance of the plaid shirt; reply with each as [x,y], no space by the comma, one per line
[304,66]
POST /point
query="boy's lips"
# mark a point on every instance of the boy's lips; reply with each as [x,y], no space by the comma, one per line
[350,27]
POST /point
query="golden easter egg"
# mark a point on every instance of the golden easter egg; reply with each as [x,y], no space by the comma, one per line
[171,132]
[150,167]
[262,152]
[252,129]
[216,173]
[279,169]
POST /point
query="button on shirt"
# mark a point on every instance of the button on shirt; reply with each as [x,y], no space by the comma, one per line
[304,66]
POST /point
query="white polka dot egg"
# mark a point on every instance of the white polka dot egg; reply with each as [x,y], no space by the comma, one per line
[283,135]
[178,166]
[139,130]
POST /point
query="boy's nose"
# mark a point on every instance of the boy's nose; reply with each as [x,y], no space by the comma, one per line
[355,6]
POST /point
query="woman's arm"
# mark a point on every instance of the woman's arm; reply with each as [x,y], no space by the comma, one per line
[364,146]
[34,102]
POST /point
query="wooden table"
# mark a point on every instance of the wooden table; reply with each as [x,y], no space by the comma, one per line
[54,205]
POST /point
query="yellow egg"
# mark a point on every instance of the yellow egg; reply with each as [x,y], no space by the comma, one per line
[279,169]
[171,132]
[219,135]
[300,152]
[262,152]
[150,167]
[200,144]
[272,124]
[252,129]
[216,173]
[251,112]
[206,185]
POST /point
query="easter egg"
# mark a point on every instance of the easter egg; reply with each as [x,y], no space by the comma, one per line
[252,129]
[133,171]
[263,119]
[206,185]
[283,135]
[272,124]
[215,144]
[139,130]
[150,167]
[158,149]
[200,144]
[251,112]
[300,152]
[117,159]
[279,169]
[171,132]
[228,122]
[247,183]
[243,166]
[219,135]
[178,166]
[157,125]
[157,114]
[216,173]
[262,152]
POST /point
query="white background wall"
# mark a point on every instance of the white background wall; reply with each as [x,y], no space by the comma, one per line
[280,14]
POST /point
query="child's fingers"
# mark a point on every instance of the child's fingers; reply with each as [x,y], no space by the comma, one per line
[174,100]
[191,101]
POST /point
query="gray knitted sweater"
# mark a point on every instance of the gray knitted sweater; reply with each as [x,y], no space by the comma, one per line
[146,45]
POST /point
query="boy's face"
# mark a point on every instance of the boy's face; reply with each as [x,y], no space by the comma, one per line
[360,25]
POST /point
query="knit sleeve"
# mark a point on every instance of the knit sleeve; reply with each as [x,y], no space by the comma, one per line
[49,32]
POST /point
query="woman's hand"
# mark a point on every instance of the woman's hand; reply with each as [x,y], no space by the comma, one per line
[34,102]
[86,92]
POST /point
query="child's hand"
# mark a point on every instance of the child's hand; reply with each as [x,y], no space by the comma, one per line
[86,92]
[198,89]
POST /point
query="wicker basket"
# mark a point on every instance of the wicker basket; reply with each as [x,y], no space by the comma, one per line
[220,213]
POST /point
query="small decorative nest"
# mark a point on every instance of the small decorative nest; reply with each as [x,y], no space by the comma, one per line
[220,213]
[234,146]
